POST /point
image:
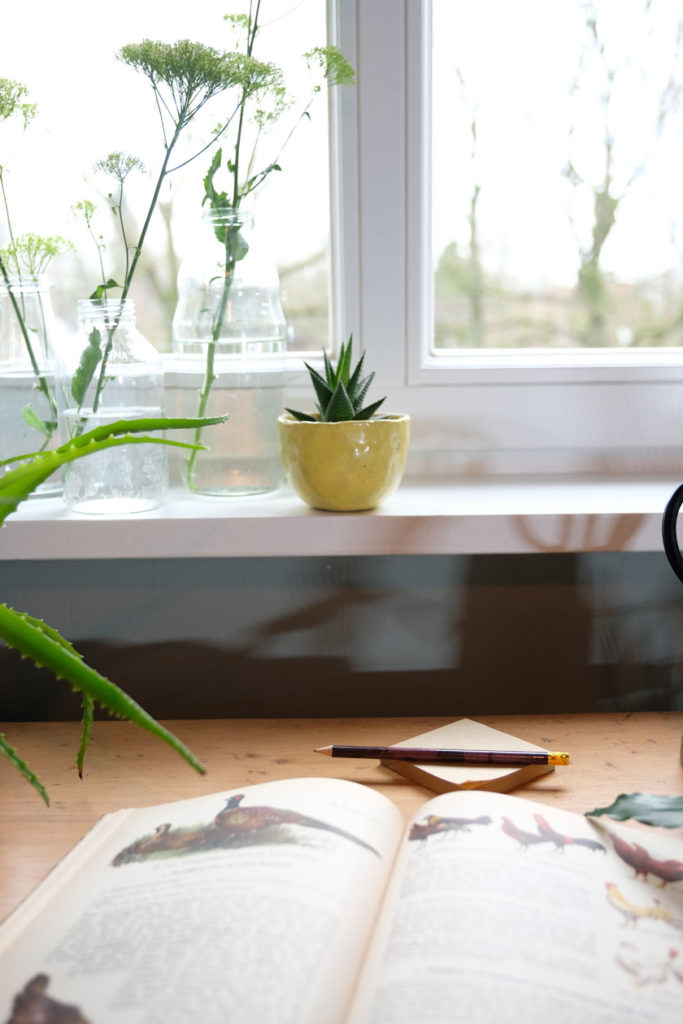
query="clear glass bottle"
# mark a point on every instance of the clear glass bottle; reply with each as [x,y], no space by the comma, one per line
[109,372]
[28,408]
[230,340]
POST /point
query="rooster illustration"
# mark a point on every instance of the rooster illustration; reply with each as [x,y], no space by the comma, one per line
[434,825]
[632,913]
[524,838]
[561,841]
[643,864]
[235,820]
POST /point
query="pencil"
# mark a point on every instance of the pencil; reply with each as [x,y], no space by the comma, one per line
[440,755]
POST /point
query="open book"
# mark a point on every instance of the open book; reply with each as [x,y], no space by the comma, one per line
[307,902]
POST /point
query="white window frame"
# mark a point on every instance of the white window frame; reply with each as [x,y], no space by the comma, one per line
[602,411]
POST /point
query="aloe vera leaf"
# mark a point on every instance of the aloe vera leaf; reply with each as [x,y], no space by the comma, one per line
[26,635]
[369,411]
[647,808]
[9,752]
[303,417]
[323,392]
[88,705]
[362,390]
[17,484]
[339,407]
[330,375]
[354,380]
[344,364]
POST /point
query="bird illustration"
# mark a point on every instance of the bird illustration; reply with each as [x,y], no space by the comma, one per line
[33,1006]
[561,841]
[164,839]
[231,822]
[645,967]
[235,820]
[632,854]
[643,864]
[632,913]
[434,825]
[524,838]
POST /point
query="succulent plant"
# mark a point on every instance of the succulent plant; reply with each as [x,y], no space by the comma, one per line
[341,392]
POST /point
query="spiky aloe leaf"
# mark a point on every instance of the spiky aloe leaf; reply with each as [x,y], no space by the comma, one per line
[16,485]
[369,411]
[339,407]
[48,649]
[322,390]
[45,645]
[344,364]
[340,393]
[360,391]
[330,373]
[303,417]
[10,753]
[88,705]
[355,383]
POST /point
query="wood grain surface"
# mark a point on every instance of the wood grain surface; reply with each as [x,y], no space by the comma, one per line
[125,767]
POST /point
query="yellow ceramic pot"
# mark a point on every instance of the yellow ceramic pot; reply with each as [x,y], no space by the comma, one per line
[344,467]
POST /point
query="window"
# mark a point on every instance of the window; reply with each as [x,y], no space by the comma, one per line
[89,105]
[549,399]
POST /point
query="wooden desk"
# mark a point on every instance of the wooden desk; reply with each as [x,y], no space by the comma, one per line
[611,754]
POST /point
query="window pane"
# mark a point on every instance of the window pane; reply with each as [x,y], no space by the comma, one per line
[557,135]
[90,105]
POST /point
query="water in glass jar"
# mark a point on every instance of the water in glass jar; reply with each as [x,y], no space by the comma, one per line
[18,390]
[121,480]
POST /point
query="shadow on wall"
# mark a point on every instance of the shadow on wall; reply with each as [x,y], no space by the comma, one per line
[484,635]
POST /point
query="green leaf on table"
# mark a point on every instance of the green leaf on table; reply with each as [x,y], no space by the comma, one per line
[647,808]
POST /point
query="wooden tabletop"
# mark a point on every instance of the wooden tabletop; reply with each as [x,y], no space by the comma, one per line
[125,767]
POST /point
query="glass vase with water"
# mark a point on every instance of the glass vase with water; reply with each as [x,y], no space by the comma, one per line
[111,372]
[229,344]
[28,407]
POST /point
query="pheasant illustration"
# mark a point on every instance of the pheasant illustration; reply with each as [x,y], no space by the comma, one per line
[632,913]
[524,838]
[434,825]
[643,864]
[561,841]
[164,839]
[235,820]
[231,823]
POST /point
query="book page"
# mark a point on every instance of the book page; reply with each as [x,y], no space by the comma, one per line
[253,905]
[502,910]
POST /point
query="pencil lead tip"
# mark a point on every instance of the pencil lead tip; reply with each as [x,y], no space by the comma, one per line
[323,750]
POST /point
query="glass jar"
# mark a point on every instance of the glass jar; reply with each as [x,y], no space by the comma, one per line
[111,372]
[28,407]
[230,343]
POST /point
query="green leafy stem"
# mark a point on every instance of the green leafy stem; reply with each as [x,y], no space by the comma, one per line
[43,644]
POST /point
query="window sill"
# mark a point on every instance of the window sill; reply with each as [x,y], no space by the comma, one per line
[434,518]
